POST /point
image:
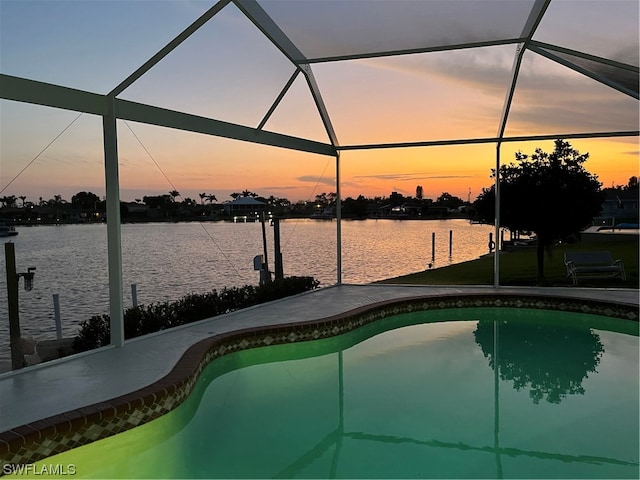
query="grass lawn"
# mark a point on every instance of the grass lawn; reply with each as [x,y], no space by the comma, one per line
[518,267]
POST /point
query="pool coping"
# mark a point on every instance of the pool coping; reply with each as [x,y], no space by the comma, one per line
[57,433]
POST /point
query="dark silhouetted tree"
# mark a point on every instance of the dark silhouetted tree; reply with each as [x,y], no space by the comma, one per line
[396,199]
[85,200]
[356,208]
[550,194]
[8,201]
[449,201]
[157,201]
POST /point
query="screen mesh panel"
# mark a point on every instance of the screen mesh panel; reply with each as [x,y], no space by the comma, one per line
[87,45]
[430,96]
[606,29]
[328,29]
[551,98]
[205,76]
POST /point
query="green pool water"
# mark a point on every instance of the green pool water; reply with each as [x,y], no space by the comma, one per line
[463,393]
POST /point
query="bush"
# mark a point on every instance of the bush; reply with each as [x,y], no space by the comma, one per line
[141,320]
[93,333]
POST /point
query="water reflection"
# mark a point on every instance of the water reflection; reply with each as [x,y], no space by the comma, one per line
[550,360]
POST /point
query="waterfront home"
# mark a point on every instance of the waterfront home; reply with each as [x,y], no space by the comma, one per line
[244,206]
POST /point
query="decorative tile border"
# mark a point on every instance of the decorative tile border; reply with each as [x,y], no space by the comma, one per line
[38,440]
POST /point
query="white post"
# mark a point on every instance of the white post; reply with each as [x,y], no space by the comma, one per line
[496,251]
[433,246]
[56,315]
[114,248]
[339,222]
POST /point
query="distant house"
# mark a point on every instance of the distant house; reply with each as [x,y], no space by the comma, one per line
[137,208]
[403,210]
[244,206]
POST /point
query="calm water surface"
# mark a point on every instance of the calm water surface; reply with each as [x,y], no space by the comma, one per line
[169,260]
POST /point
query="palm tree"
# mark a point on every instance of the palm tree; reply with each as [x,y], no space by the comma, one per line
[56,203]
[23,198]
[174,194]
[202,197]
[212,198]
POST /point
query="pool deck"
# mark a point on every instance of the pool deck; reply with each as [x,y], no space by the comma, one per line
[59,386]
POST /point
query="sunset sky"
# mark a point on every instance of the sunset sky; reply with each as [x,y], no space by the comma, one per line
[229,71]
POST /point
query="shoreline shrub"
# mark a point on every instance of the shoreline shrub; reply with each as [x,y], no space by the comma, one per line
[144,319]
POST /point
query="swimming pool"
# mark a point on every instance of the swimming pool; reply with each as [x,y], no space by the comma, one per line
[452,393]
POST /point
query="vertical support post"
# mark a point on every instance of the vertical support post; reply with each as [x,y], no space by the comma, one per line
[17,358]
[114,247]
[339,222]
[496,398]
[276,246]
[134,295]
[433,246]
[56,315]
[265,265]
[450,242]
[496,256]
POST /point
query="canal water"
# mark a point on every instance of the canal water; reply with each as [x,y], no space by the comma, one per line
[169,260]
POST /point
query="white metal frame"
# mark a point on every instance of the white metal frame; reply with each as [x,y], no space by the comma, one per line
[111,108]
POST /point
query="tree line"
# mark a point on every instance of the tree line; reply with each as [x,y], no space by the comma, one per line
[90,207]
[551,194]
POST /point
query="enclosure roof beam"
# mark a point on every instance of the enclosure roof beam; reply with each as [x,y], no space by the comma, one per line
[593,75]
[534,19]
[413,51]
[586,56]
[322,109]
[272,31]
[469,141]
[278,99]
[138,112]
[49,95]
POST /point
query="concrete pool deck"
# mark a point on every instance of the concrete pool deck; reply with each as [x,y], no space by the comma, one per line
[71,383]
